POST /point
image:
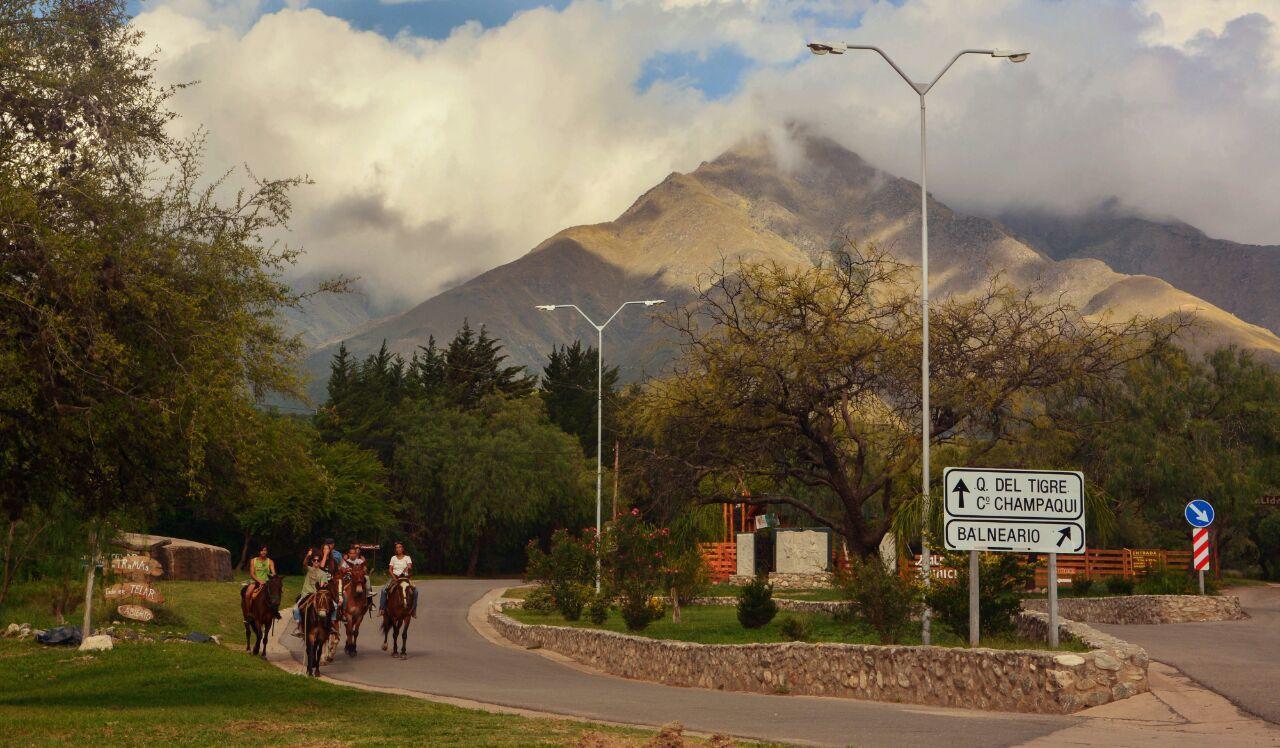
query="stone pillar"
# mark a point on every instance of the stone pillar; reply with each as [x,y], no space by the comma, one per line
[746,554]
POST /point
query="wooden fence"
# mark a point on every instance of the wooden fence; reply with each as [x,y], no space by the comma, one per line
[722,563]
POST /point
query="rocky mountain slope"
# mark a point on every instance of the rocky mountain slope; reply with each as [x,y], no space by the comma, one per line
[751,203]
[1242,279]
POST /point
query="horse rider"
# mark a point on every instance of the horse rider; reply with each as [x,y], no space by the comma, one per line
[400,566]
[330,557]
[316,577]
[261,568]
[355,558]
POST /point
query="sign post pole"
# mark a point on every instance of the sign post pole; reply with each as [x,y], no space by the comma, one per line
[1202,581]
[973,598]
[1053,600]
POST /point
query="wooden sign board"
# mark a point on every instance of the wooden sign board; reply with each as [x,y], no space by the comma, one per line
[136,612]
[136,565]
[134,589]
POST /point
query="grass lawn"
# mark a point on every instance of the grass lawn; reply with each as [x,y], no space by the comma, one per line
[203,694]
[707,624]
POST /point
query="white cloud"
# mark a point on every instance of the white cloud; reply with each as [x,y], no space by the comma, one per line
[435,160]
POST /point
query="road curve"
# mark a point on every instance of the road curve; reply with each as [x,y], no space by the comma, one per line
[447,657]
[1238,659]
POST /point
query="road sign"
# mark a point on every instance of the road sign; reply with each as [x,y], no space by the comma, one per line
[1200,549]
[1199,513]
[991,509]
[136,612]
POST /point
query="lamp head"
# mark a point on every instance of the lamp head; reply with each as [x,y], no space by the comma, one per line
[1014,55]
[822,48]
[654,302]
[546,307]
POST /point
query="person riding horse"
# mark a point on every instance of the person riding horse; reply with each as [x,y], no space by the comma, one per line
[316,577]
[261,569]
[353,559]
[400,567]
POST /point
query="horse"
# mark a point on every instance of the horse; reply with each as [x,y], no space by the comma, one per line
[317,626]
[356,605]
[395,617]
[260,612]
[334,587]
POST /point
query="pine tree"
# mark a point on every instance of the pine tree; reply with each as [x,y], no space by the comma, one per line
[473,369]
[341,373]
[569,383]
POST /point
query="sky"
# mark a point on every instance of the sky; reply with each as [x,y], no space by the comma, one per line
[446,137]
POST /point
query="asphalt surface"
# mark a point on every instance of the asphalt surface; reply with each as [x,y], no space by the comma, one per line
[447,657]
[1238,659]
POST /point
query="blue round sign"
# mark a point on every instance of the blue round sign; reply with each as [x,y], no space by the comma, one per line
[1199,513]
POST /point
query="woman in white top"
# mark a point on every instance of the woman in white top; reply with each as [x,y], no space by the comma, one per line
[400,566]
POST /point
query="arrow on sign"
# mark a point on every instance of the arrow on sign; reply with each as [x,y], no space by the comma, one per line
[961,489]
[1200,515]
[1066,535]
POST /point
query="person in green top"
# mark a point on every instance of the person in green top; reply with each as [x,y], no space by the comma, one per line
[261,569]
[310,583]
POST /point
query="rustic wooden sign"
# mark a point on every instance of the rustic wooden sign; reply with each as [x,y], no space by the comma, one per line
[134,589]
[136,565]
[136,612]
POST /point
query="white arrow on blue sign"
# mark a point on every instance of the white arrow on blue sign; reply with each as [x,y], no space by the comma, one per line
[1199,513]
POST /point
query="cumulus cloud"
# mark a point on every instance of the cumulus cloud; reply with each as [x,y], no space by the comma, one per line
[434,160]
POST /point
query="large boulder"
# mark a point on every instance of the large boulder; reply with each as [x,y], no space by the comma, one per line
[183,559]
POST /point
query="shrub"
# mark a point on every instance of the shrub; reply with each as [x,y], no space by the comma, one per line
[685,574]
[1165,581]
[639,611]
[597,608]
[880,598]
[540,600]
[1118,585]
[795,629]
[564,571]
[634,553]
[1002,578]
[1081,585]
[755,603]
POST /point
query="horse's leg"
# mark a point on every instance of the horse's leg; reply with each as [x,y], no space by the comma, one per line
[404,642]
[386,626]
[247,623]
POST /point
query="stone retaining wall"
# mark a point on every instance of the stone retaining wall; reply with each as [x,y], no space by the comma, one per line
[784,603]
[1016,680]
[1145,608]
[780,581]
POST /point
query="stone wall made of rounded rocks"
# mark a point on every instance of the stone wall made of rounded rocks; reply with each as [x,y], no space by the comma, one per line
[998,680]
[817,581]
[784,603]
[1127,609]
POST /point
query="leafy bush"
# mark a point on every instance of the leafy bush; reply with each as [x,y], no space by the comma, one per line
[634,554]
[597,608]
[1081,585]
[565,571]
[1002,579]
[540,600]
[755,604]
[880,598]
[1165,581]
[795,629]
[1118,585]
[684,575]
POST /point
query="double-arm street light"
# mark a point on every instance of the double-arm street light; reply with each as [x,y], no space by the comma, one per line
[922,89]
[599,400]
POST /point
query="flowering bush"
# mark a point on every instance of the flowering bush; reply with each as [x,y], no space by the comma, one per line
[634,555]
[566,571]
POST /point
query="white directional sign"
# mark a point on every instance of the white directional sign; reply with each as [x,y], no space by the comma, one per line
[1038,511]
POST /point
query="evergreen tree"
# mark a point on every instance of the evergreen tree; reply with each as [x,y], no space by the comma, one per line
[473,369]
[341,374]
[569,383]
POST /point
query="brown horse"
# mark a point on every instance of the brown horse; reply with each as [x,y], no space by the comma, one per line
[317,626]
[395,617]
[356,604]
[260,612]
[334,587]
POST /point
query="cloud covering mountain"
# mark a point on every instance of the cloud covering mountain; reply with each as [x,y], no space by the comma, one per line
[438,156]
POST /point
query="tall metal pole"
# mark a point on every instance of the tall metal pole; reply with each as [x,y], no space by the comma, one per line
[925,420]
[599,439]
[1053,600]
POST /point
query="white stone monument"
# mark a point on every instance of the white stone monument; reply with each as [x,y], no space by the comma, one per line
[801,551]
[746,554]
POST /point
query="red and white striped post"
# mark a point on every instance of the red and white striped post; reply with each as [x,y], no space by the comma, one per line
[1200,552]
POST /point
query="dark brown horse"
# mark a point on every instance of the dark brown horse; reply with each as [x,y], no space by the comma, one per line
[395,617]
[334,587]
[317,626]
[260,611]
[356,604]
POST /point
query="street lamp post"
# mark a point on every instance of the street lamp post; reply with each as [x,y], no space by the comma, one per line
[922,89]
[599,402]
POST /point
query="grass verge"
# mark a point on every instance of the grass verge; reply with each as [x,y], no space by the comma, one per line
[707,624]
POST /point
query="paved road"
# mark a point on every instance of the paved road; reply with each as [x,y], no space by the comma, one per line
[449,658]
[1238,659]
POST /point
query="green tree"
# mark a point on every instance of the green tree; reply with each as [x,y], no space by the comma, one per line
[569,384]
[473,369]
[489,476]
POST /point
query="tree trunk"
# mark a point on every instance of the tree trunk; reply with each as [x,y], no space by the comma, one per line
[87,630]
[9,564]
[675,605]
[474,559]
[244,554]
